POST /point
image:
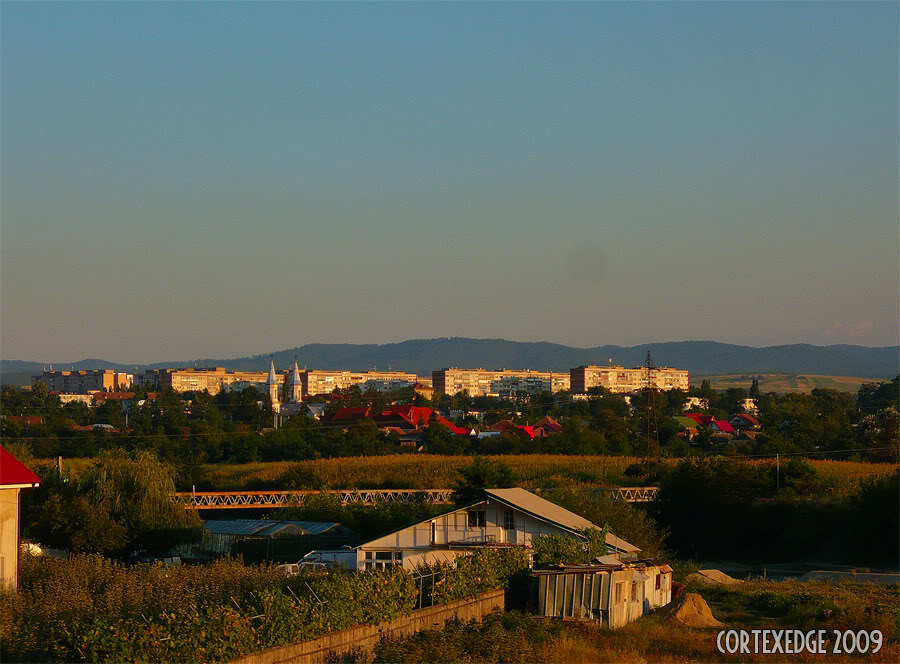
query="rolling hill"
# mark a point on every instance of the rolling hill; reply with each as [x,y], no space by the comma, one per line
[424,355]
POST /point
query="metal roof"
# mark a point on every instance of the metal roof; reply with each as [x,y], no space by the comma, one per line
[267,528]
[529,502]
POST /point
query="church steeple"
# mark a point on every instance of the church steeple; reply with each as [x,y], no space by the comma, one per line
[296,385]
[272,382]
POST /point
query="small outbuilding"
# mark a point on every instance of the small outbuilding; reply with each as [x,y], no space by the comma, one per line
[610,594]
[263,540]
[14,477]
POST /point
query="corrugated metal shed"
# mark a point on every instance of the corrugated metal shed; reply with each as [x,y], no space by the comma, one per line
[268,528]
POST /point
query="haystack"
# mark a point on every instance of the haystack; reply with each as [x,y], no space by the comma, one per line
[691,610]
[711,577]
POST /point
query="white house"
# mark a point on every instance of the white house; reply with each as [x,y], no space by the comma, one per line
[505,518]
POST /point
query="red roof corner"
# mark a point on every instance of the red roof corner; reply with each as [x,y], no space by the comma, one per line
[13,472]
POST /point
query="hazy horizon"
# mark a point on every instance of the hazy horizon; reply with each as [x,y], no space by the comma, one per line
[222,180]
[273,351]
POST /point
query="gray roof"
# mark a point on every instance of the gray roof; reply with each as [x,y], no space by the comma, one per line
[544,509]
[267,528]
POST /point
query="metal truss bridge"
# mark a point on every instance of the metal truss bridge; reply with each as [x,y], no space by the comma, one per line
[222,500]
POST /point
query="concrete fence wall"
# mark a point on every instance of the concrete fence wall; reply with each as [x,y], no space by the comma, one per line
[366,637]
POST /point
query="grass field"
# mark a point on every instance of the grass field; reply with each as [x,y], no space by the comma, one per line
[427,471]
[780,382]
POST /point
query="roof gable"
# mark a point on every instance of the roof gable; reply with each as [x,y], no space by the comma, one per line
[13,472]
[553,513]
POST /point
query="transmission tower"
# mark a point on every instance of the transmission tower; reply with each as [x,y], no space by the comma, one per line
[652,430]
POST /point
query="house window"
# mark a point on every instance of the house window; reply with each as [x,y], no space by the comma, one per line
[509,520]
[477,519]
[634,591]
[658,581]
[620,592]
[383,559]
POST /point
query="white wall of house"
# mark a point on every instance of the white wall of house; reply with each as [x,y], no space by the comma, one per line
[430,542]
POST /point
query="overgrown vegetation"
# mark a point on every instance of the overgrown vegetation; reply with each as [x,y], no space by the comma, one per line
[518,637]
[89,608]
[122,503]
[561,549]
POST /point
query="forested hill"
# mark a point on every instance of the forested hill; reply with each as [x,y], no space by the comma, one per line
[424,355]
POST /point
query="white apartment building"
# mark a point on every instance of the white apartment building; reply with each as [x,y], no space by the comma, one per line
[498,382]
[84,382]
[622,380]
[325,382]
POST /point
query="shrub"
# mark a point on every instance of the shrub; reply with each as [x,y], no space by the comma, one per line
[89,608]
[557,549]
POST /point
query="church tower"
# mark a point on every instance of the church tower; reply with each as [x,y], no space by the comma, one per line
[296,385]
[272,382]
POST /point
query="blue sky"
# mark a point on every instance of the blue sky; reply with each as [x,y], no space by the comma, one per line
[215,179]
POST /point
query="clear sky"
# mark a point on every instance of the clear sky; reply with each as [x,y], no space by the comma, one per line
[217,179]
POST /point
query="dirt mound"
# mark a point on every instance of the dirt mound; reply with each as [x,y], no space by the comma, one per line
[691,610]
[711,577]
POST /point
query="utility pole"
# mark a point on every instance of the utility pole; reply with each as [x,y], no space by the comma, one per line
[651,406]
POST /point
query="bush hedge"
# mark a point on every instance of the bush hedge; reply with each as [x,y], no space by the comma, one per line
[89,608]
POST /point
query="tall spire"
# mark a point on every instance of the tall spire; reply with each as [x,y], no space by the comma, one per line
[272,379]
[296,384]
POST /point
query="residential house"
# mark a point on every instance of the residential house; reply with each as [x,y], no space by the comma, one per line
[721,426]
[24,420]
[695,402]
[548,426]
[750,406]
[744,421]
[504,518]
[700,419]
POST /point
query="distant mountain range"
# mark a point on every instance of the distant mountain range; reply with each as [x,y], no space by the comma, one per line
[424,355]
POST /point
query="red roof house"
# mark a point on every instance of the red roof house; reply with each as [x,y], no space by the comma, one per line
[350,414]
[26,420]
[14,474]
[744,421]
[549,425]
[14,477]
[722,426]
[702,420]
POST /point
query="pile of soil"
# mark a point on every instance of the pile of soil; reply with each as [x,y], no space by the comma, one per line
[691,610]
[711,577]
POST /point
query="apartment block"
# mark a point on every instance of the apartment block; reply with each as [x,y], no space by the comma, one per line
[83,382]
[325,382]
[213,379]
[498,382]
[621,380]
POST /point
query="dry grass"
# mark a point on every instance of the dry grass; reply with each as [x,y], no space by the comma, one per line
[785,383]
[421,471]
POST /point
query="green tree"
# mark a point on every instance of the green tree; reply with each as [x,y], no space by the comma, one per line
[482,474]
[124,502]
[754,389]
[562,549]
[631,523]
